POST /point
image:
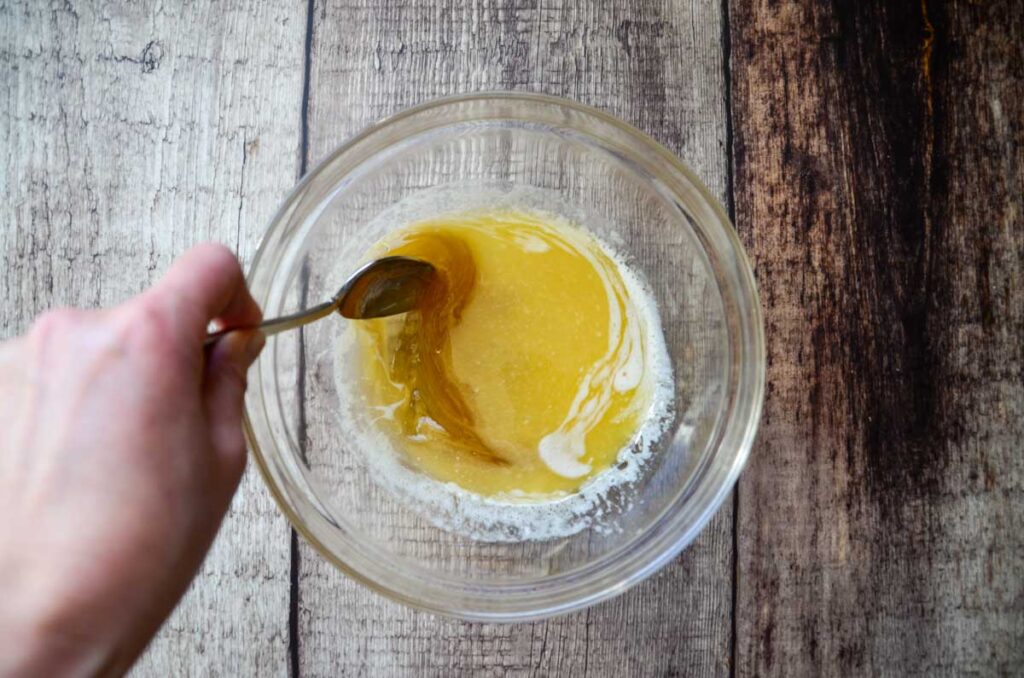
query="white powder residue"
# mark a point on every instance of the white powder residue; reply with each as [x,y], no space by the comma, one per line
[531,243]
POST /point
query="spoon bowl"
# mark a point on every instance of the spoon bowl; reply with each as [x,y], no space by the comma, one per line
[383,287]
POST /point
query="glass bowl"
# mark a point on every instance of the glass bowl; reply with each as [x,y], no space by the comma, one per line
[601,174]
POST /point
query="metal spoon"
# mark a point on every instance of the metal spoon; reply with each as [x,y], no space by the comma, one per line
[385,286]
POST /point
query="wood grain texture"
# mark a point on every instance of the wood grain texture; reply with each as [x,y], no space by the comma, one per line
[130,132]
[878,151]
[655,64]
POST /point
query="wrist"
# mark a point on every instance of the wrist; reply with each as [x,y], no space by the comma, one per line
[35,649]
[40,637]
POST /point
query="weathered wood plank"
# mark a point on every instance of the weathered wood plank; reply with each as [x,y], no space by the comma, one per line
[878,184]
[655,64]
[130,132]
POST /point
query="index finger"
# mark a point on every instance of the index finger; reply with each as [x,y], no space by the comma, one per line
[204,284]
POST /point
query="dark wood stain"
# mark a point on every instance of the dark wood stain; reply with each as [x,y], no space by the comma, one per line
[876,153]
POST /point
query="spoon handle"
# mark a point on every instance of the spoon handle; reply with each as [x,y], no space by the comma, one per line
[285,322]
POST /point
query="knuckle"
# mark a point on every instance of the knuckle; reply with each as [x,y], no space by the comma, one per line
[234,373]
[231,468]
[152,315]
[150,329]
[152,322]
[146,325]
[167,315]
[234,454]
[53,325]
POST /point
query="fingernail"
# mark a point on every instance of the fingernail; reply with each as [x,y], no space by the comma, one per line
[254,346]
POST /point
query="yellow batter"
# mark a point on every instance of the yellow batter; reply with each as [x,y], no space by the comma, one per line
[523,371]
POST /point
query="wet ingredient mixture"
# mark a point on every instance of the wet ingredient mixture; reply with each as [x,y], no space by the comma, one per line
[523,372]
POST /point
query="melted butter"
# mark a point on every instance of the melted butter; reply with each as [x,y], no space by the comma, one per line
[522,373]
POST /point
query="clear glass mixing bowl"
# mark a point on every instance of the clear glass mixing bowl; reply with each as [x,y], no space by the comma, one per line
[607,177]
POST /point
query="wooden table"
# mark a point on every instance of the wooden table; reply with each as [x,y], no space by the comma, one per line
[873,156]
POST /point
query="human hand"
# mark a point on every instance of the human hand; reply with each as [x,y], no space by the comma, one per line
[121,446]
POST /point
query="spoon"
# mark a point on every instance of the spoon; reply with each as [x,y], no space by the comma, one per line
[385,286]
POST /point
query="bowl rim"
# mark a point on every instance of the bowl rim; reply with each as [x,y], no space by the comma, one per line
[752,332]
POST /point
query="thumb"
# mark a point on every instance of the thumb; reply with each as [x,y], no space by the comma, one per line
[224,394]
